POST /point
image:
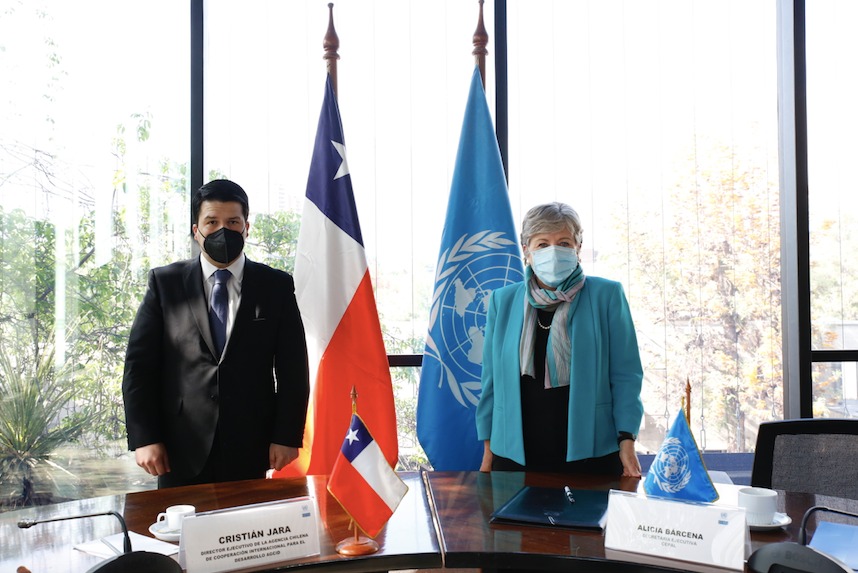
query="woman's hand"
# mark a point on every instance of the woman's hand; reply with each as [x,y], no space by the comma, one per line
[629,458]
[486,464]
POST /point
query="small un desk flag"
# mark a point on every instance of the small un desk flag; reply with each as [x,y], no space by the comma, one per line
[678,470]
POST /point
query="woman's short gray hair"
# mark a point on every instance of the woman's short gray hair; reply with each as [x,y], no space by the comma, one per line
[551,218]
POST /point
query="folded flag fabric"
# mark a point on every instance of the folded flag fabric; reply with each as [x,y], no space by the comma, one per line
[678,470]
[363,482]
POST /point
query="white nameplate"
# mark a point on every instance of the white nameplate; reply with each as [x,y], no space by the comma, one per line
[250,535]
[715,535]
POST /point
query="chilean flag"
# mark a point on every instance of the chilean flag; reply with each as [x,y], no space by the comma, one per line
[363,482]
[335,296]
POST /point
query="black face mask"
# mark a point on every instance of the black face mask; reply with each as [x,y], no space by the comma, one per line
[224,245]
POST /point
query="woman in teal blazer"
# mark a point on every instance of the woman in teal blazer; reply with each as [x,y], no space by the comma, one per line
[561,376]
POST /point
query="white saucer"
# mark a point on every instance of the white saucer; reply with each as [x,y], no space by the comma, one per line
[781,520]
[159,530]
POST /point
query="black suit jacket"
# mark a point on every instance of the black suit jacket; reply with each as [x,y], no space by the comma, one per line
[177,392]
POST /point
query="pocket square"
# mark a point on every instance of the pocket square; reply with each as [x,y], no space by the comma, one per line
[256,314]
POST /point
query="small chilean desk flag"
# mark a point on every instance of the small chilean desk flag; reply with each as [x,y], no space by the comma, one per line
[678,471]
[363,482]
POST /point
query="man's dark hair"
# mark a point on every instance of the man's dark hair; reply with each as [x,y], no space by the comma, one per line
[222,190]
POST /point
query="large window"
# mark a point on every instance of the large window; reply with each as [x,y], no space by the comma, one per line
[94,150]
[657,120]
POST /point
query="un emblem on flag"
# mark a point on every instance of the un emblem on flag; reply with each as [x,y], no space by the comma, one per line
[671,466]
[467,274]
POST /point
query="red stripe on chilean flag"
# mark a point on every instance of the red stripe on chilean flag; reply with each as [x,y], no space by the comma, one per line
[354,357]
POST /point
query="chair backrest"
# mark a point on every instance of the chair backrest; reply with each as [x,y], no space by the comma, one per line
[787,557]
[809,455]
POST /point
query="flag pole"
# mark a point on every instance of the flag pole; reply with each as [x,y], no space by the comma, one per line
[331,44]
[688,401]
[359,545]
[481,40]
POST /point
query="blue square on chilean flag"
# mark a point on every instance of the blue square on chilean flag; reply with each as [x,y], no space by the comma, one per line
[357,439]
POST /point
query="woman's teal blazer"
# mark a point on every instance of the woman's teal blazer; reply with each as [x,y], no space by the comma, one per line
[605,372]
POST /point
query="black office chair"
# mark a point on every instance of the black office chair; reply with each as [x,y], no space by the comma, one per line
[808,455]
[793,558]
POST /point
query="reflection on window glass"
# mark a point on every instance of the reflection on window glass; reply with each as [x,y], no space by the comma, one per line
[832,117]
[93,192]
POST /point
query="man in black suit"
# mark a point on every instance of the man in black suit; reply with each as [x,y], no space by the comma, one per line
[197,413]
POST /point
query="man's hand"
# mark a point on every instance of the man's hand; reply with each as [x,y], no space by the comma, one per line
[280,456]
[153,458]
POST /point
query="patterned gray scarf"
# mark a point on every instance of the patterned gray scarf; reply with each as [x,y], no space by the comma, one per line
[557,360]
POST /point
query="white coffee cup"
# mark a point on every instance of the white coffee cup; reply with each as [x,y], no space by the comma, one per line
[174,515]
[760,504]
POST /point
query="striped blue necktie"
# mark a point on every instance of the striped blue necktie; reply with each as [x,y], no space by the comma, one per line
[219,309]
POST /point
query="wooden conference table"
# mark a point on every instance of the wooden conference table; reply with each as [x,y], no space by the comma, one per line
[408,541]
[443,521]
[464,501]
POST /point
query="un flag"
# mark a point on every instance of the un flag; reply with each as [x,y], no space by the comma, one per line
[479,253]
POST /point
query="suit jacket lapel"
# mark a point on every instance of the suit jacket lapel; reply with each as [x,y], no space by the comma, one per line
[193,278]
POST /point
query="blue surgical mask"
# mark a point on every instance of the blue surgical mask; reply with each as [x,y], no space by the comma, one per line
[552,265]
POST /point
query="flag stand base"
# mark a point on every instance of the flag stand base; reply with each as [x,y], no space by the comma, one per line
[358,545]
